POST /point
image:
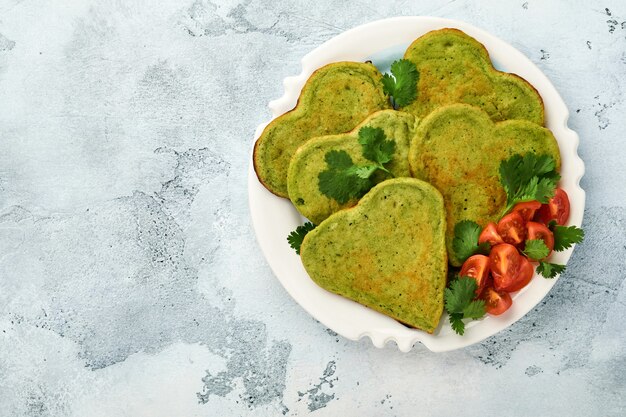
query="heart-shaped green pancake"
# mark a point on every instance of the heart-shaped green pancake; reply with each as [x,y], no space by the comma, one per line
[458,149]
[334,100]
[387,253]
[455,68]
[309,161]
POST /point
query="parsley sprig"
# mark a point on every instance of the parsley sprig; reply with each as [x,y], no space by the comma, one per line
[465,242]
[376,147]
[460,303]
[343,180]
[532,177]
[296,237]
[527,178]
[536,249]
[566,236]
[401,84]
[549,270]
[524,178]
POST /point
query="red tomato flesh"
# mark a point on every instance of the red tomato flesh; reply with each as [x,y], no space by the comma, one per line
[496,302]
[477,267]
[556,209]
[540,231]
[526,273]
[512,228]
[527,210]
[490,235]
[510,270]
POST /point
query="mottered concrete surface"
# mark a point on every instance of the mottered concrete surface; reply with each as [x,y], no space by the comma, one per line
[131,283]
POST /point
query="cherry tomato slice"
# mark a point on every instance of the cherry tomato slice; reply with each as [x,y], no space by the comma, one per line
[556,209]
[540,231]
[477,267]
[527,210]
[496,302]
[512,228]
[524,276]
[490,235]
[504,261]
[510,270]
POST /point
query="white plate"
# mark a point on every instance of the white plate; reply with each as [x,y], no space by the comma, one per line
[383,41]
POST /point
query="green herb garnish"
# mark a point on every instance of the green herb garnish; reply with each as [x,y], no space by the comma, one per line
[460,303]
[566,236]
[401,85]
[536,249]
[376,147]
[549,270]
[465,242]
[343,180]
[296,237]
[527,178]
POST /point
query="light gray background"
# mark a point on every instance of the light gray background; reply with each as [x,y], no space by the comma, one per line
[130,280]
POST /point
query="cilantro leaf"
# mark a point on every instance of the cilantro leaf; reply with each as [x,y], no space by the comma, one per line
[529,177]
[401,85]
[527,191]
[342,181]
[545,188]
[456,322]
[536,249]
[565,237]
[460,303]
[532,165]
[338,159]
[375,146]
[459,294]
[465,242]
[296,237]
[365,171]
[549,270]
[508,174]
[474,310]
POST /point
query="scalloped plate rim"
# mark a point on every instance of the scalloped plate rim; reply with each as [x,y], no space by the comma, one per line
[273,217]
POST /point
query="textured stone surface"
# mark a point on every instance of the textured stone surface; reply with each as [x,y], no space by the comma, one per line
[130,280]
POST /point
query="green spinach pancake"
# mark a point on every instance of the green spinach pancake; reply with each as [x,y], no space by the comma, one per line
[458,149]
[456,68]
[387,253]
[309,161]
[334,100]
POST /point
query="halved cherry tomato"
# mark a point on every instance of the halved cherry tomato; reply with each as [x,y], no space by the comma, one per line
[510,270]
[527,210]
[477,267]
[539,231]
[526,273]
[496,302]
[512,228]
[490,235]
[556,209]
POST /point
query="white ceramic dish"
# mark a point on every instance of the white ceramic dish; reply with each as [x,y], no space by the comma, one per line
[383,41]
